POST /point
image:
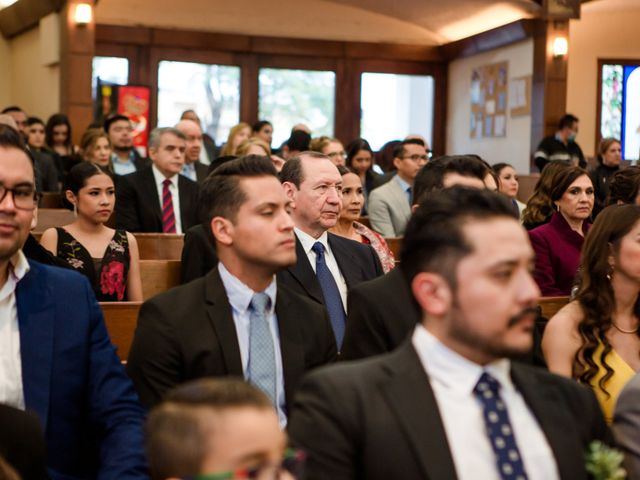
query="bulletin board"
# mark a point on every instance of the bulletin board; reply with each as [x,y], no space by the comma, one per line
[489,101]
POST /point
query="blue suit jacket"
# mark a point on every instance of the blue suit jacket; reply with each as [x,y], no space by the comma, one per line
[73,380]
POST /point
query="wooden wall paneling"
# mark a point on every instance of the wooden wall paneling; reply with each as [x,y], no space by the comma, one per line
[200,40]
[115,34]
[347,109]
[440,110]
[382,51]
[249,89]
[296,46]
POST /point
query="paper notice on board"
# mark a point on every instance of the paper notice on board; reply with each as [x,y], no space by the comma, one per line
[490,107]
[517,93]
[499,126]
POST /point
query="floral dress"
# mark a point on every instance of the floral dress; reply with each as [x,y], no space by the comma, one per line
[108,274]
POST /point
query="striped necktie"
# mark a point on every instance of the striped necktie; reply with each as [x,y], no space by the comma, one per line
[168,217]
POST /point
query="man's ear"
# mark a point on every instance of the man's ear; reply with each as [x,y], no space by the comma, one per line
[152,153]
[222,230]
[433,293]
[290,190]
[396,162]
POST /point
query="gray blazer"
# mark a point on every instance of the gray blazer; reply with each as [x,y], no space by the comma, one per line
[626,426]
[389,209]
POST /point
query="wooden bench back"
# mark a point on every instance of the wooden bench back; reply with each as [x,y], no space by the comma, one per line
[160,246]
[551,305]
[395,245]
[53,217]
[527,184]
[158,276]
[121,319]
[51,200]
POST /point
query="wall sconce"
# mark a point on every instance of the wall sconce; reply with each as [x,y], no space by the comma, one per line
[560,47]
[83,14]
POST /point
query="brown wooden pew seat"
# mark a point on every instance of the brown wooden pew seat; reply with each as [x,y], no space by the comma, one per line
[53,217]
[121,319]
[551,305]
[160,246]
[395,245]
[158,276]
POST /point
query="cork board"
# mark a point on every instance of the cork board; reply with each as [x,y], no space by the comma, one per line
[489,101]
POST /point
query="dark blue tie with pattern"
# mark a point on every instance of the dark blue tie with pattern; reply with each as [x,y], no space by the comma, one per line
[496,419]
[331,294]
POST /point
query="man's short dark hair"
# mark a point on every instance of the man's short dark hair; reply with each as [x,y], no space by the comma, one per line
[10,137]
[113,119]
[12,108]
[299,141]
[567,121]
[176,431]
[431,177]
[256,127]
[221,194]
[292,170]
[399,152]
[434,240]
[34,121]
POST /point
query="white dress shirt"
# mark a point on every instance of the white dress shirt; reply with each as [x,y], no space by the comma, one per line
[240,296]
[11,391]
[453,378]
[307,242]
[175,194]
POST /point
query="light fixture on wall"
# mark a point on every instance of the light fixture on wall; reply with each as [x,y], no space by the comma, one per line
[6,3]
[560,47]
[83,14]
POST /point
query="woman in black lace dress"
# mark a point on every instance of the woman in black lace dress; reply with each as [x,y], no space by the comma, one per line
[109,258]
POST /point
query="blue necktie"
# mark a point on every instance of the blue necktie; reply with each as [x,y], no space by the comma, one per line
[409,193]
[262,357]
[496,419]
[331,294]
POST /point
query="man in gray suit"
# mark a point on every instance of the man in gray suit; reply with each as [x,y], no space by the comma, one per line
[390,204]
[626,426]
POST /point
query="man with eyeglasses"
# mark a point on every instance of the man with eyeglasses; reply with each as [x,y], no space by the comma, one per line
[56,358]
[390,204]
[218,429]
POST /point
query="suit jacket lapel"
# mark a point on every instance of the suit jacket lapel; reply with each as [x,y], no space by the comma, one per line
[305,275]
[345,260]
[221,318]
[410,397]
[36,313]
[291,349]
[148,183]
[400,200]
[554,420]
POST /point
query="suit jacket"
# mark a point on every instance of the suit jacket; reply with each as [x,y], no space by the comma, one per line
[356,261]
[381,314]
[22,443]
[138,206]
[389,209]
[626,426]
[198,254]
[188,332]
[46,172]
[73,380]
[378,419]
[202,171]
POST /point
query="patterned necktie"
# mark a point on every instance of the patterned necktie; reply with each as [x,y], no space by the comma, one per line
[168,217]
[496,419]
[331,294]
[261,370]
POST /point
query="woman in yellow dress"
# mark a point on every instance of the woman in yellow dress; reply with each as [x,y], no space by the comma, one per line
[595,338]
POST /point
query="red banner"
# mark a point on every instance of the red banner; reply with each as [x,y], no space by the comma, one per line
[133,101]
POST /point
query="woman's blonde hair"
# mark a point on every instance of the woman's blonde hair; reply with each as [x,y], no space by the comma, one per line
[258,142]
[319,143]
[235,130]
[90,139]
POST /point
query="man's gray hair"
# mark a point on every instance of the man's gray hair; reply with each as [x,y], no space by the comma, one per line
[157,133]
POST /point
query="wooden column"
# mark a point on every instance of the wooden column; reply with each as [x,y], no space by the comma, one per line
[549,85]
[77,47]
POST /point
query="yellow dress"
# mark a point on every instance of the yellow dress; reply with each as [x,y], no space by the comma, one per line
[622,373]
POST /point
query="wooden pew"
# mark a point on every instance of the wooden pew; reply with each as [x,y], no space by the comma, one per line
[395,245]
[121,319]
[51,200]
[160,246]
[527,184]
[158,276]
[53,217]
[551,305]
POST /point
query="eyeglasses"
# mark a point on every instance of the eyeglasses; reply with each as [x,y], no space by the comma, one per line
[416,157]
[292,463]
[341,154]
[24,198]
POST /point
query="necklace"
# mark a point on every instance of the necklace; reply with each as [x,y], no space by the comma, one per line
[635,330]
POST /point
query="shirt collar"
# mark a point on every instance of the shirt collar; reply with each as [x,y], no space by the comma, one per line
[451,369]
[307,240]
[240,295]
[115,158]
[402,183]
[18,268]
[160,178]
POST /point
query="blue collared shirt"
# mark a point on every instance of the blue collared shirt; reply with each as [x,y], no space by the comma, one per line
[406,188]
[239,296]
[123,168]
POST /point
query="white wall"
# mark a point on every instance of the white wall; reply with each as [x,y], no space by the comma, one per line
[515,146]
[607,29]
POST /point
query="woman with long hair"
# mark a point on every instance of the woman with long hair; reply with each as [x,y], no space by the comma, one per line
[558,243]
[609,158]
[96,148]
[595,338]
[539,207]
[109,258]
[624,188]
[57,134]
[508,185]
[348,225]
[360,161]
[238,134]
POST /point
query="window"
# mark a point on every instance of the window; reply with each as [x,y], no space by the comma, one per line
[213,91]
[394,106]
[111,70]
[288,97]
[619,111]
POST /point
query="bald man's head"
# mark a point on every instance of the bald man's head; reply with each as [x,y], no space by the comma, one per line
[193,132]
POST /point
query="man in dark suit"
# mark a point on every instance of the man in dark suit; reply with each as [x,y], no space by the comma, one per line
[449,403]
[158,198]
[198,254]
[193,169]
[125,157]
[237,320]
[327,265]
[382,312]
[56,358]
